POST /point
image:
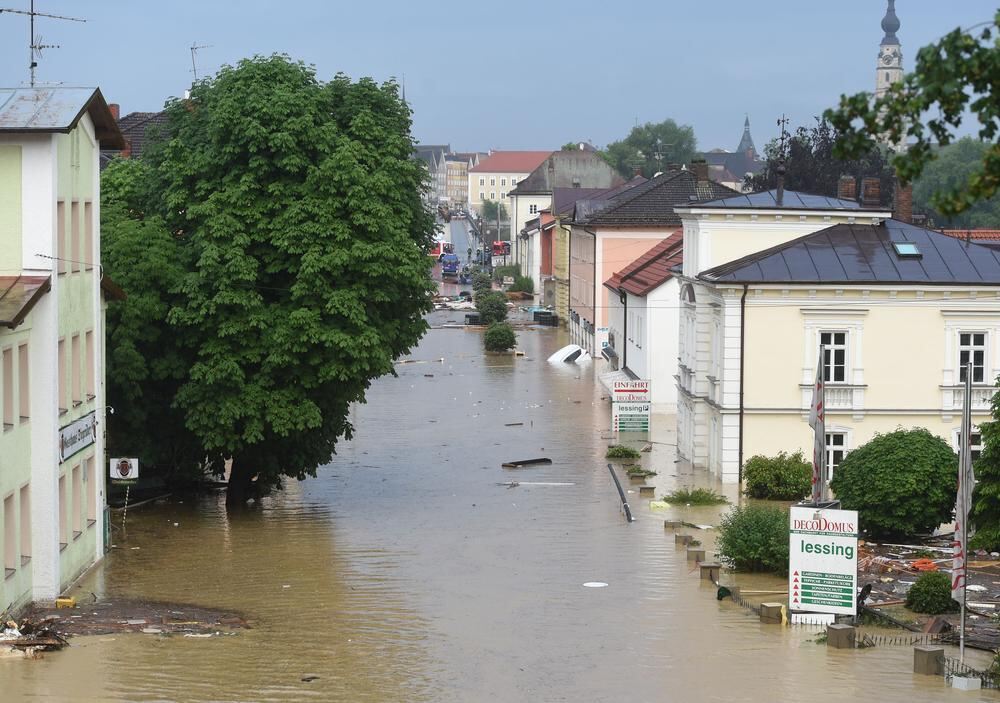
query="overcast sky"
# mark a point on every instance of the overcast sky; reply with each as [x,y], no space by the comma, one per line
[508,74]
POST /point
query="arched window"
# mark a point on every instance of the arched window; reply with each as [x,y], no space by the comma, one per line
[687,293]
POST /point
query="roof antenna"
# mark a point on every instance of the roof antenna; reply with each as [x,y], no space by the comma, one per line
[194,57]
[780,195]
[35,44]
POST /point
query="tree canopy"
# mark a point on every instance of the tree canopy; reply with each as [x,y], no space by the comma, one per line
[490,208]
[957,75]
[674,143]
[812,166]
[951,168]
[297,207]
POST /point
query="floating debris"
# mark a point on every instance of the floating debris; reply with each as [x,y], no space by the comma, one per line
[525,462]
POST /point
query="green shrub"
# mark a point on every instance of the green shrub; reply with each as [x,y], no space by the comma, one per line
[499,337]
[620,451]
[481,282]
[754,538]
[492,307]
[523,284]
[501,272]
[636,470]
[901,483]
[696,496]
[931,594]
[781,477]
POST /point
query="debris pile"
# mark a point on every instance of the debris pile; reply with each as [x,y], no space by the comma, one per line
[30,636]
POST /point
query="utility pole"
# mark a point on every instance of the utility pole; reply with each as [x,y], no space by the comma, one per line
[35,44]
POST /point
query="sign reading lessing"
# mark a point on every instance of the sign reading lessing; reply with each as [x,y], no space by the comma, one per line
[823,560]
[630,417]
[77,436]
[636,391]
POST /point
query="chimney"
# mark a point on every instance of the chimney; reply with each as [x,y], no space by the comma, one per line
[700,168]
[847,188]
[115,111]
[871,192]
[779,197]
[903,207]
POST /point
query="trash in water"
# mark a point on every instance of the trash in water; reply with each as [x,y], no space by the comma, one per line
[525,462]
[595,584]
[513,424]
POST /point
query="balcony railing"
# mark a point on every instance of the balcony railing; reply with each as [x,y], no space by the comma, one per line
[953,397]
[837,397]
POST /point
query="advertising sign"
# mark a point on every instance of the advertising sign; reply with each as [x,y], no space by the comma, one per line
[636,391]
[77,436]
[823,560]
[124,469]
[630,417]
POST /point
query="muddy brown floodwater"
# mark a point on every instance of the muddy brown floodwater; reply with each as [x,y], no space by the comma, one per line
[403,572]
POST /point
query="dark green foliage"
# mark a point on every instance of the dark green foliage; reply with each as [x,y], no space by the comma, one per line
[781,477]
[620,451]
[492,307]
[502,272]
[931,594]
[499,337]
[952,167]
[297,205]
[754,538]
[985,513]
[481,282]
[952,77]
[489,209]
[638,150]
[523,284]
[695,496]
[901,483]
[811,165]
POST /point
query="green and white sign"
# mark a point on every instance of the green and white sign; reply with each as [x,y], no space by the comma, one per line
[823,560]
[630,417]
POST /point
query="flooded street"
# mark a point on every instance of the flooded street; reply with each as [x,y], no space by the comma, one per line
[404,572]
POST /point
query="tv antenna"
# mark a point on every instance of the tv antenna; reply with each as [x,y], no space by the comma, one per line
[194,57]
[35,45]
[783,135]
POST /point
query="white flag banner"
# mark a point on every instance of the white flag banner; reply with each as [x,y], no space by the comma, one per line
[818,422]
[963,500]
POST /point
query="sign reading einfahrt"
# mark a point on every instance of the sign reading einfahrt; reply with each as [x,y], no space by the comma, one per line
[636,391]
[823,560]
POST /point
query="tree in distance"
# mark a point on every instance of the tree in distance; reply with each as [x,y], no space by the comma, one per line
[672,142]
[297,205]
[952,167]
[957,75]
[489,211]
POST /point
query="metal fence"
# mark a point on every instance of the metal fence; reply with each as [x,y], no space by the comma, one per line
[953,667]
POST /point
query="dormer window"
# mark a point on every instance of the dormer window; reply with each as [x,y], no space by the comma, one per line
[906,250]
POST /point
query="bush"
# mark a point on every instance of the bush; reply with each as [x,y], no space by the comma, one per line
[501,272]
[901,483]
[481,282]
[492,306]
[499,337]
[697,496]
[620,451]
[781,477]
[931,594]
[523,284]
[754,538]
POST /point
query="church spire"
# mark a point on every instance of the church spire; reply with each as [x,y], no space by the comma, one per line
[890,24]
[746,143]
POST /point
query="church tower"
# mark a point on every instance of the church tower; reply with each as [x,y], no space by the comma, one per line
[890,56]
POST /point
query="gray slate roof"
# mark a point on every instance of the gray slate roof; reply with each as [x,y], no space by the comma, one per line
[856,253]
[652,203]
[568,169]
[57,109]
[793,200]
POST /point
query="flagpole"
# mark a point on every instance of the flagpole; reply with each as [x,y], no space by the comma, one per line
[822,399]
[964,459]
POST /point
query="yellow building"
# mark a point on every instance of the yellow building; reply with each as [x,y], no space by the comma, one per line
[766,284]
[497,174]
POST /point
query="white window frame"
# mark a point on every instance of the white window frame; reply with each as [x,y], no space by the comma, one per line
[831,349]
[977,441]
[482,195]
[482,182]
[830,448]
[493,195]
[493,181]
[503,182]
[972,348]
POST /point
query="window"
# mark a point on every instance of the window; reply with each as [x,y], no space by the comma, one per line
[836,447]
[503,181]
[482,181]
[90,484]
[976,445]
[24,397]
[834,357]
[61,235]
[532,209]
[25,500]
[61,381]
[493,195]
[63,534]
[7,381]
[77,501]
[493,181]
[513,182]
[75,371]
[74,237]
[88,236]
[9,537]
[89,361]
[972,348]
[482,195]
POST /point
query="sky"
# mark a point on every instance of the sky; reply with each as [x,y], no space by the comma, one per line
[513,74]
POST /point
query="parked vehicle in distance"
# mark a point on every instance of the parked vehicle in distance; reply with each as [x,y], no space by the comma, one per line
[441,248]
[449,266]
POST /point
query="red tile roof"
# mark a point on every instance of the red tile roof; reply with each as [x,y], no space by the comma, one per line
[989,234]
[511,162]
[652,269]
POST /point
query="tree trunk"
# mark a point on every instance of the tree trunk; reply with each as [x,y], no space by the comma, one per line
[240,483]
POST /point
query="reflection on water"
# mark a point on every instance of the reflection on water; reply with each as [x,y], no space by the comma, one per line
[403,572]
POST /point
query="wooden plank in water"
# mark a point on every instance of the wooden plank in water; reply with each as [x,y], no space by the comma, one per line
[525,462]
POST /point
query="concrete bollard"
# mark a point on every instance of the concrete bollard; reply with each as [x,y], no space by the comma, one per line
[647,491]
[696,554]
[672,524]
[928,660]
[682,540]
[710,571]
[636,479]
[840,636]
[770,613]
